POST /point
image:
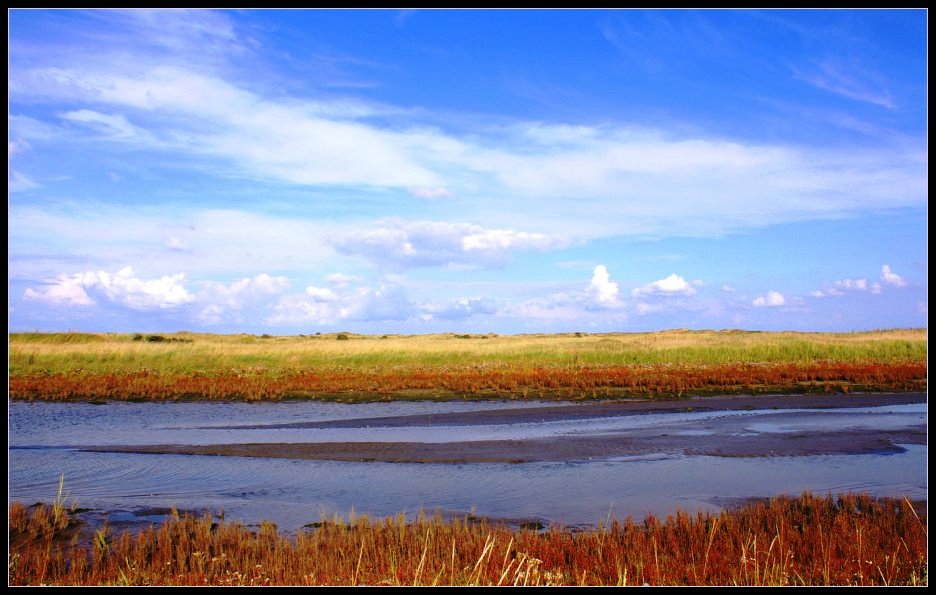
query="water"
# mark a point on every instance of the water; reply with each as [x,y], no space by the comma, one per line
[44,437]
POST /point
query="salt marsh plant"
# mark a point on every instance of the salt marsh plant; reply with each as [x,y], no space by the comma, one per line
[807,540]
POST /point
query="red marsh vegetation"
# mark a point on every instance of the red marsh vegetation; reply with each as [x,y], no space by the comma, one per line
[582,382]
[806,540]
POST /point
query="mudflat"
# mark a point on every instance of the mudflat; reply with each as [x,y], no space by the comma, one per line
[725,436]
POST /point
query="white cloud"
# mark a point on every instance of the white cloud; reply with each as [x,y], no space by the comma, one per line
[891,278]
[112,125]
[853,284]
[282,140]
[847,81]
[728,288]
[672,285]
[860,285]
[459,309]
[601,288]
[219,300]
[326,307]
[600,298]
[820,293]
[582,180]
[643,308]
[403,244]
[122,288]
[65,290]
[771,300]
[17,181]
[497,240]
[320,294]
[212,243]
[301,309]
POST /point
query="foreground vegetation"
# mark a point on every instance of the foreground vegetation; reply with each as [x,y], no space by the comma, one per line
[808,540]
[80,366]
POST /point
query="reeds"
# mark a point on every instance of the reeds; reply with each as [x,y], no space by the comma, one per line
[806,540]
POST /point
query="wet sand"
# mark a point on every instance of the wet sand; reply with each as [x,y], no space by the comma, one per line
[724,437]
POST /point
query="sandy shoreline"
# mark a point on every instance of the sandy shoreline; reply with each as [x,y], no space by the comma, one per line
[722,437]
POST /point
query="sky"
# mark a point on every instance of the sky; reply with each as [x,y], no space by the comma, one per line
[507,171]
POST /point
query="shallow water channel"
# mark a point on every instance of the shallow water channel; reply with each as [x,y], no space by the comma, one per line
[47,440]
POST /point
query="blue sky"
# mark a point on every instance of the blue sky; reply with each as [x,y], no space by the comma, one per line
[505,171]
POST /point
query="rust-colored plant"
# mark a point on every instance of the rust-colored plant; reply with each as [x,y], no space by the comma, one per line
[502,381]
[807,540]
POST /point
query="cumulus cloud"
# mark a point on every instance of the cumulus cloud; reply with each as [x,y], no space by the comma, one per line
[773,299]
[891,278]
[601,297]
[602,289]
[123,288]
[321,294]
[218,300]
[853,284]
[327,307]
[459,309]
[303,309]
[672,285]
[831,292]
[497,240]
[842,286]
[65,290]
[403,244]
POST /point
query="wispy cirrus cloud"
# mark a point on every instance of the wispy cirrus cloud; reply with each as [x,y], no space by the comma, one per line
[622,180]
[848,81]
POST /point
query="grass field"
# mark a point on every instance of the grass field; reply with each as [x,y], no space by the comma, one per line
[346,366]
[808,540]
